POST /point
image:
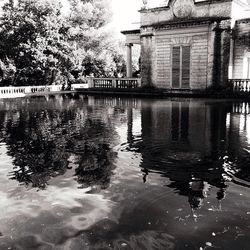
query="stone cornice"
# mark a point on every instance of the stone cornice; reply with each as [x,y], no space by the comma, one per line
[212,1]
[156,9]
[128,32]
[162,8]
[240,2]
[245,20]
[182,23]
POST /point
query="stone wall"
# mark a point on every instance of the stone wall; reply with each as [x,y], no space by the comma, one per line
[238,60]
[197,39]
[157,56]
[147,59]
[241,48]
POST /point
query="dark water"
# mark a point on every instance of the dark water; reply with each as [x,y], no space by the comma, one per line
[101,173]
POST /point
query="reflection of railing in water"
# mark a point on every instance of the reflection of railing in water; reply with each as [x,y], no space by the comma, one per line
[112,102]
[240,85]
[121,83]
[241,108]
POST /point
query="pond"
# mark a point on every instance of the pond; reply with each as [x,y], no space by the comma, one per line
[84,172]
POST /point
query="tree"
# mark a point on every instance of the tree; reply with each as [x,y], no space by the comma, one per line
[40,45]
[100,53]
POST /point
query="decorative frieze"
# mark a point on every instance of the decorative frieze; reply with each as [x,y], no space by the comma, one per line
[181,40]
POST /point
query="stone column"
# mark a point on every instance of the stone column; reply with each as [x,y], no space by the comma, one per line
[217,56]
[129,59]
[231,59]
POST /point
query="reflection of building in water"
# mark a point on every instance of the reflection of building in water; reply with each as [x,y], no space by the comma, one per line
[239,129]
[189,143]
[176,125]
[197,192]
[180,121]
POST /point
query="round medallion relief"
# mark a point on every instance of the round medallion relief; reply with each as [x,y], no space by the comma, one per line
[183,8]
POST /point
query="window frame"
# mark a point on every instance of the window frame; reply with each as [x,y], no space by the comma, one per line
[181,65]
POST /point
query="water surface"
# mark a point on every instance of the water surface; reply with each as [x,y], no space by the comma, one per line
[82,172]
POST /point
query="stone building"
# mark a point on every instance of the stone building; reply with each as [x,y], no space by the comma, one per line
[192,44]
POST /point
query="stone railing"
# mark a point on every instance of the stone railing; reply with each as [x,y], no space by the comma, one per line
[9,92]
[121,83]
[12,92]
[240,85]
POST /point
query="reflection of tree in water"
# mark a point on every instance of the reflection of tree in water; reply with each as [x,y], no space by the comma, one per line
[95,157]
[41,143]
[95,166]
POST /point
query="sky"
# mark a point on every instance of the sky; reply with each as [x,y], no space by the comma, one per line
[126,15]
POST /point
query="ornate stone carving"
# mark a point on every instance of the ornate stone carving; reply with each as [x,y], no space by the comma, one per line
[181,40]
[183,8]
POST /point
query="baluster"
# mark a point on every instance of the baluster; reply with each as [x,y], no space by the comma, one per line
[235,86]
[241,87]
[238,85]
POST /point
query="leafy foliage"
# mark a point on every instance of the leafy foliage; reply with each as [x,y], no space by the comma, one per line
[41,45]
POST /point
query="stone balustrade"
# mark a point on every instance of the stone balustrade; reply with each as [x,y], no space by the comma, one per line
[91,82]
[240,85]
[121,83]
[13,92]
[9,92]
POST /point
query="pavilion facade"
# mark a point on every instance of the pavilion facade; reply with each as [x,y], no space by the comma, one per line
[192,45]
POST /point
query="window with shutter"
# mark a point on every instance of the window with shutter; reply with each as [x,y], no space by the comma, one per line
[181,67]
[176,67]
[185,67]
